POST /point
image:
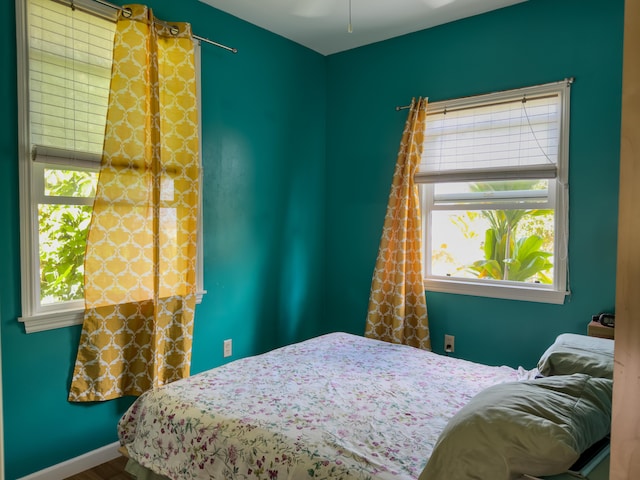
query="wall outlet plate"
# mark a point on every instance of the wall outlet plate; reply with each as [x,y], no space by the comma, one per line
[449,343]
[227,348]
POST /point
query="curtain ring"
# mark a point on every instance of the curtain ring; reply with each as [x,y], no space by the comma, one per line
[126,12]
[174,30]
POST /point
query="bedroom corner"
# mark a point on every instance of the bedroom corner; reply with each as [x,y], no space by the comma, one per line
[290,238]
[263,228]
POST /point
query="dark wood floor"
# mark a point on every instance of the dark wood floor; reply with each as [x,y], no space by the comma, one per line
[113,470]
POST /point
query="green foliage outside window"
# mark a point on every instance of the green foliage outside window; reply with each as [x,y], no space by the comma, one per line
[508,256]
[63,232]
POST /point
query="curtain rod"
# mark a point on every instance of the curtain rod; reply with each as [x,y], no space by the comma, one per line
[569,81]
[197,37]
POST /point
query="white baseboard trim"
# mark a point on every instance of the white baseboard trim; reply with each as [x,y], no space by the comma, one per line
[76,465]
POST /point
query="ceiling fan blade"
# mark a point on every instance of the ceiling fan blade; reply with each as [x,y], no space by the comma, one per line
[437,3]
[314,8]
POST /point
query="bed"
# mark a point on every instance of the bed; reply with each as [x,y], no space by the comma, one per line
[338,406]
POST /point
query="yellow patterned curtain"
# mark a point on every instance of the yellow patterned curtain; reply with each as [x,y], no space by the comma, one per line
[397,303]
[140,279]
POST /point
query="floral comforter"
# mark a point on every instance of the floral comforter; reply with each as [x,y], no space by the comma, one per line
[337,406]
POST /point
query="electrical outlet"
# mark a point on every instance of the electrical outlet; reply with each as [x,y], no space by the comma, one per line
[227,348]
[449,343]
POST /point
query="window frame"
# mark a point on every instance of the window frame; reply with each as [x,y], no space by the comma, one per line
[558,195]
[35,316]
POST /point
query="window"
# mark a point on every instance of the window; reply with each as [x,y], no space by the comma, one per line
[494,194]
[65,68]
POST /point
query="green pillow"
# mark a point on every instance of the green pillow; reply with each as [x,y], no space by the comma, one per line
[572,353]
[537,427]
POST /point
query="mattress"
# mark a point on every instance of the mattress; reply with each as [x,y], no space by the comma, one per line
[334,407]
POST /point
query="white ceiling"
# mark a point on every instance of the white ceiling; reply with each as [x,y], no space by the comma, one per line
[321,25]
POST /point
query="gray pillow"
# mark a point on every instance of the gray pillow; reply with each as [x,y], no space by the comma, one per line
[537,427]
[572,353]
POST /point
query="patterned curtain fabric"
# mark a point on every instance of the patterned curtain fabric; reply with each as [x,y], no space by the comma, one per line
[140,265]
[397,304]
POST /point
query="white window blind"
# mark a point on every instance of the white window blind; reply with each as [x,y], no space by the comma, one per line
[70,56]
[497,139]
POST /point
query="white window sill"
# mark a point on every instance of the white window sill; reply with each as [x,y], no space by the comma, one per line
[67,318]
[540,294]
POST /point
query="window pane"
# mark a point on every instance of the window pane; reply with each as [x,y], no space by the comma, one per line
[70,56]
[70,183]
[63,237]
[514,245]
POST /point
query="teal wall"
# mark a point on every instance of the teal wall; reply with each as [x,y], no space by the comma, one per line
[263,140]
[535,42]
[298,154]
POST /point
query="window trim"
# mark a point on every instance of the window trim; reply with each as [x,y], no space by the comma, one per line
[553,294]
[36,317]
[504,291]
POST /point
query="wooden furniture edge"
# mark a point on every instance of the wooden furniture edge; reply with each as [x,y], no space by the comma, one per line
[123,451]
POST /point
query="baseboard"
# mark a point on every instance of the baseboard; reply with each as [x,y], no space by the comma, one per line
[76,465]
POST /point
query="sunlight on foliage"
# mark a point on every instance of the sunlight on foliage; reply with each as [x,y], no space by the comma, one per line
[63,235]
[499,244]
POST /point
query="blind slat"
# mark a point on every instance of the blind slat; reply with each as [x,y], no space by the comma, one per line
[70,56]
[487,174]
[512,139]
[61,156]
